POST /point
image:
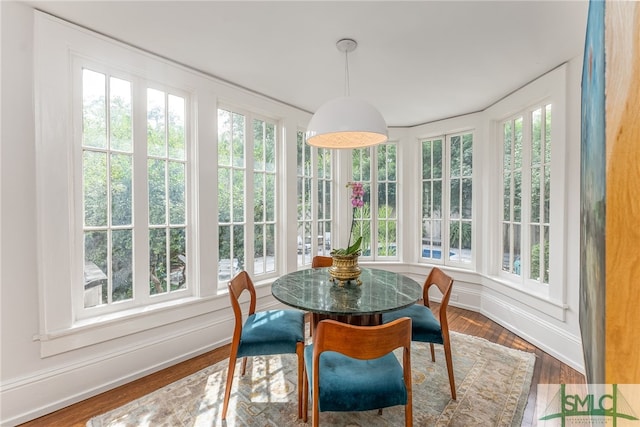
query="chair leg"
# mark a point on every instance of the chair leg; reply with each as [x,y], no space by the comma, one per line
[447,355]
[244,365]
[300,354]
[305,396]
[227,390]
[433,353]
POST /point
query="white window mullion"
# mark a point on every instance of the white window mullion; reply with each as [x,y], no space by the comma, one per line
[141,195]
[249,232]
[446,191]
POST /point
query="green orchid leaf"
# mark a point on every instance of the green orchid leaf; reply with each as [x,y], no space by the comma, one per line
[355,247]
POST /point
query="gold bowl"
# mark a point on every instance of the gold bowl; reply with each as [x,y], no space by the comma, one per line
[345,268]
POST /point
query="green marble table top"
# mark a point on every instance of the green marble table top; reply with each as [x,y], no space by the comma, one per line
[380,291]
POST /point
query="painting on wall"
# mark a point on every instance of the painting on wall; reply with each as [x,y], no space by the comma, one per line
[592,197]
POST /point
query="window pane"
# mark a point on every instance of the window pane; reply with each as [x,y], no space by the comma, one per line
[455,198]
[258,145]
[547,193]
[95,268]
[546,254]
[94,109]
[437,199]
[270,147]
[465,240]
[177,207]
[224,195]
[455,156]
[382,162]
[507,197]
[547,135]
[178,257]
[258,197]
[156,145]
[426,159]
[122,264]
[467,155]
[95,188]
[120,114]
[507,141]
[517,196]
[536,136]
[176,127]
[157,261]
[535,252]
[466,198]
[270,231]
[270,197]
[238,139]
[224,138]
[517,245]
[157,192]
[437,158]
[426,199]
[238,245]
[258,244]
[237,183]
[517,144]
[506,247]
[121,197]
[454,237]
[224,253]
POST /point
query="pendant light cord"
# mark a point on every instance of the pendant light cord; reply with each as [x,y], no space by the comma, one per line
[347,89]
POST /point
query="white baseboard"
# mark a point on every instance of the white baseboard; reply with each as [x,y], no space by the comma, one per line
[548,337]
[32,396]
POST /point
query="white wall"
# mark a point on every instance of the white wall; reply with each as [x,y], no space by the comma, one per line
[31,386]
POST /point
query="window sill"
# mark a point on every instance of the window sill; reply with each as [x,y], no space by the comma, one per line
[111,326]
[537,300]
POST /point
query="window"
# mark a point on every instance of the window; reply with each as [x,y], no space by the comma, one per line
[526,141]
[246,237]
[111,243]
[314,200]
[447,199]
[381,234]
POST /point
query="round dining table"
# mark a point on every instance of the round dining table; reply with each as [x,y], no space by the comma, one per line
[313,290]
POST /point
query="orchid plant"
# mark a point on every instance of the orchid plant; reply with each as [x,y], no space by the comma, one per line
[357,201]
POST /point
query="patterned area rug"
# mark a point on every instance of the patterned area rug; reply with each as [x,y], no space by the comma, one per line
[492,384]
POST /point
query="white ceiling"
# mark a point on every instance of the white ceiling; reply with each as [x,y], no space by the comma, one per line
[416,61]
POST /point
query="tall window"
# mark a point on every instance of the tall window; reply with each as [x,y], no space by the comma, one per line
[314,200]
[526,141]
[167,184]
[447,199]
[304,177]
[108,171]
[264,200]
[325,198]
[381,234]
[246,218]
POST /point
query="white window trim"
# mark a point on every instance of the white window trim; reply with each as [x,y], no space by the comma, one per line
[548,89]
[446,197]
[56,43]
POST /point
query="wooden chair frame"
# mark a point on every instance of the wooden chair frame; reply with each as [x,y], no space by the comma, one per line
[361,342]
[321,261]
[236,286]
[444,283]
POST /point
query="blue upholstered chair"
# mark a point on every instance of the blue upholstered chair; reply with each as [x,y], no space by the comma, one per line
[353,368]
[263,333]
[425,326]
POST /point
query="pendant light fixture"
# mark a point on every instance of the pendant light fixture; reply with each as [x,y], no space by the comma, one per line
[346,122]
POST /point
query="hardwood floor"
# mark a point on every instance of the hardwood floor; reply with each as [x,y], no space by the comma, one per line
[548,370]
